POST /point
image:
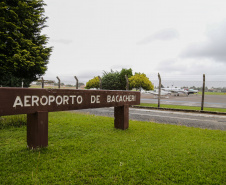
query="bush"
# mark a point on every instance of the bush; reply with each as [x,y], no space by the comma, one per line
[15,121]
[93,83]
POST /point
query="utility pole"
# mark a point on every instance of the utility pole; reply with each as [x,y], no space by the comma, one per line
[100,82]
[76,82]
[203,92]
[159,90]
[58,82]
[127,82]
[42,82]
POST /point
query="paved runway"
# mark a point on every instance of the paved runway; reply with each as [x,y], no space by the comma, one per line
[205,121]
[217,101]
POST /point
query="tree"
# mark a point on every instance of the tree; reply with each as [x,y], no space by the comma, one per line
[93,83]
[122,74]
[115,80]
[111,80]
[23,52]
[140,81]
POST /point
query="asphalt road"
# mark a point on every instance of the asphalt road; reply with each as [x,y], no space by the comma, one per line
[205,121]
[217,101]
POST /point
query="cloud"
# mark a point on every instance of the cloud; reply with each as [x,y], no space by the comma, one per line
[213,47]
[191,67]
[119,67]
[68,78]
[171,66]
[163,35]
[61,41]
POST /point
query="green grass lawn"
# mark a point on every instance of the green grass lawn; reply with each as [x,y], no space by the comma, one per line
[86,149]
[183,107]
[212,93]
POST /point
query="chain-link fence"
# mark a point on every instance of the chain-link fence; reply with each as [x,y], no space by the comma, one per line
[62,82]
[215,89]
[186,90]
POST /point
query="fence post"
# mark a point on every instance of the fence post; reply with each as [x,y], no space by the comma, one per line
[76,82]
[100,82]
[42,83]
[58,82]
[203,92]
[127,82]
[159,90]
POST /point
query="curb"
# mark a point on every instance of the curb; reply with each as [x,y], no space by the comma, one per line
[180,110]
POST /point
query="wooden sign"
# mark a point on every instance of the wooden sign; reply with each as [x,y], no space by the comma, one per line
[36,103]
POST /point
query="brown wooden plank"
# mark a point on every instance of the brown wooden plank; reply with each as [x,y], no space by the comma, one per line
[28,101]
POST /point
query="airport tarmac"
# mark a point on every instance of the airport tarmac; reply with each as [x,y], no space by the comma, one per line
[216,101]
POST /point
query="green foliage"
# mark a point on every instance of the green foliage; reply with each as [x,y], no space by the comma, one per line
[86,149]
[122,74]
[115,80]
[12,81]
[111,80]
[93,83]
[139,80]
[23,54]
[13,121]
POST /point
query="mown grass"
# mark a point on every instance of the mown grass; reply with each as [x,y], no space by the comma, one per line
[183,107]
[213,93]
[86,149]
[15,121]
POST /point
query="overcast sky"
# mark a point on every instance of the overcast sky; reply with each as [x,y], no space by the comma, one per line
[172,37]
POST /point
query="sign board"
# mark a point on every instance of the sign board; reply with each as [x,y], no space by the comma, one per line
[36,103]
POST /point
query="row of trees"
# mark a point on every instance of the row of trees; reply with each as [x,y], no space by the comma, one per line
[23,52]
[115,80]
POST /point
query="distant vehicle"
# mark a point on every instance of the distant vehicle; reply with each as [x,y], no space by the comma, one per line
[192,91]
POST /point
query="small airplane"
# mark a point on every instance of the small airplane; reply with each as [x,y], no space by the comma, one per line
[162,93]
[176,91]
[156,92]
[169,91]
[191,91]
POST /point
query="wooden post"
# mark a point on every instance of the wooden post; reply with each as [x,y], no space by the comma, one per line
[37,130]
[58,82]
[121,115]
[159,95]
[127,82]
[76,82]
[100,82]
[42,83]
[203,92]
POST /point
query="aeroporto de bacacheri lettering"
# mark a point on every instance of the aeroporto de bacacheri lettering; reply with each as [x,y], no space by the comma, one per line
[34,100]
[36,103]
